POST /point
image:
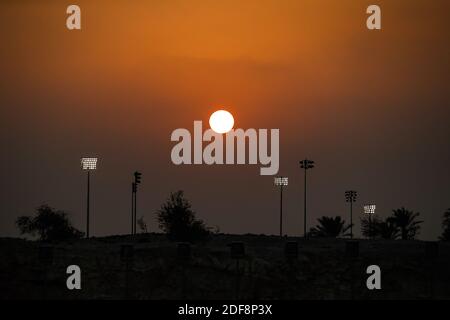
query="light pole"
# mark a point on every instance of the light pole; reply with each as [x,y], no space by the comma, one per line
[305,164]
[133,191]
[350,196]
[369,209]
[137,180]
[88,164]
[281,182]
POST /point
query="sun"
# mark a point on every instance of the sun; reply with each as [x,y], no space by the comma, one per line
[221,121]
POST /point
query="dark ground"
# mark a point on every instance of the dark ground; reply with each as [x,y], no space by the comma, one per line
[321,271]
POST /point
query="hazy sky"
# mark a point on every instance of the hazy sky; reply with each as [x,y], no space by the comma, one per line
[370,107]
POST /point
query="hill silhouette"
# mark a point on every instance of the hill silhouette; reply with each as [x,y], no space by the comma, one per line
[160,269]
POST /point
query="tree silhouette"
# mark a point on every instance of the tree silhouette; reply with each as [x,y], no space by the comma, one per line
[387,229]
[406,221]
[49,224]
[378,228]
[330,227]
[446,226]
[368,227]
[177,220]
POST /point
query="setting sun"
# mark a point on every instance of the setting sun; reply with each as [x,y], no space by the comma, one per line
[221,121]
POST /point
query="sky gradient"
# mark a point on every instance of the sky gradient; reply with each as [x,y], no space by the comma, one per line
[370,107]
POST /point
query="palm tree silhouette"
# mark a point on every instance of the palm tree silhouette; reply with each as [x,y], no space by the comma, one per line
[406,221]
[379,228]
[330,227]
[387,229]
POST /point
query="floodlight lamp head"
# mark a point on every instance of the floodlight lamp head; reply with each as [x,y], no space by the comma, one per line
[281,181]
[350,196]
[137,177]
[369,209]
[89,163]
[306,164]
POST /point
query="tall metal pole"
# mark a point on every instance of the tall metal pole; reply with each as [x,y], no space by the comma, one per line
[350,196]
[132,208]
[369,210]
[135,209]
[87,209]
[137,180]
[351,219]
[304,216]
[281,210]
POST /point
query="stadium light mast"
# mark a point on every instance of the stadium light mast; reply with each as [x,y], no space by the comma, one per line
[281,182]
[369,209]
[137,180]
[133,190]
[305,164]
[88,164]
[350,196]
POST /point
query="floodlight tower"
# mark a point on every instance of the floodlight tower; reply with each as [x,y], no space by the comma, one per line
[88,164]
[281,182]
[350,196]
[305,164]
[137,180]
[369,210]
[133,191]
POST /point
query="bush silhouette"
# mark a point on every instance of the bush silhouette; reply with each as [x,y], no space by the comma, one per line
[49,224]
[330,227]
[177,220]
